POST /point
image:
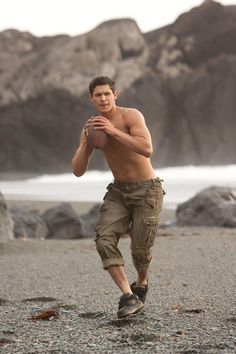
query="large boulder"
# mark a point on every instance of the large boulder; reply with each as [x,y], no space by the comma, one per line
[28,223]
[214,206]
[63,222]
[6,222]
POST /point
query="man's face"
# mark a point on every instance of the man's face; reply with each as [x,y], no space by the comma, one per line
[103,98]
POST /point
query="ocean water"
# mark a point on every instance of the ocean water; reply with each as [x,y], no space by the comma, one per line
[180,184]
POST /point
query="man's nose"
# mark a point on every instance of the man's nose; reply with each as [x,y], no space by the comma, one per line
[103,97]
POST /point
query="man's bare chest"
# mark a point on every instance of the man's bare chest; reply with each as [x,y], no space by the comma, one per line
[121,125]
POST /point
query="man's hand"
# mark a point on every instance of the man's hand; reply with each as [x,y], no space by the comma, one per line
[85,129]
[102,123]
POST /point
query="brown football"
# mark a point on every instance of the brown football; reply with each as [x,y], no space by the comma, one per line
[96,138]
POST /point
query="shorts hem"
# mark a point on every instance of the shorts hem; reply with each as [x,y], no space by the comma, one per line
[112,262]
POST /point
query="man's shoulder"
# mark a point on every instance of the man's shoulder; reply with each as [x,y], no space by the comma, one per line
[130,112]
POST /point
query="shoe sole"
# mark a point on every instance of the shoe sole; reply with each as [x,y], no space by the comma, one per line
[131,314]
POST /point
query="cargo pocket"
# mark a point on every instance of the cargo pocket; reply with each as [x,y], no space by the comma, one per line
[151,226]
[154,197]
[99,219]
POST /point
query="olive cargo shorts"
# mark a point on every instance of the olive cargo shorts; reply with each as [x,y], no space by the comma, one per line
[129,205]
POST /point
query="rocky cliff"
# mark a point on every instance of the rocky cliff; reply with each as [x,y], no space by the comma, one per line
[182,77]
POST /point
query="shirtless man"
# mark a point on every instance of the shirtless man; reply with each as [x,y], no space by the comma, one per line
[135,197]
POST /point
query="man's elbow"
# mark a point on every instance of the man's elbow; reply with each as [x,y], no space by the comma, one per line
[76,171]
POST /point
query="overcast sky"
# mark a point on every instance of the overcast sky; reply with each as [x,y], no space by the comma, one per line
[73,17]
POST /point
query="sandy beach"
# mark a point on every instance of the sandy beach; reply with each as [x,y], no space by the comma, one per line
[190,307]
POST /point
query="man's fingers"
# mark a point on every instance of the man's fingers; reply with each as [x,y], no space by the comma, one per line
[90,119]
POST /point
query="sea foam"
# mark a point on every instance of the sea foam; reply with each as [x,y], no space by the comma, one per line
[179,183]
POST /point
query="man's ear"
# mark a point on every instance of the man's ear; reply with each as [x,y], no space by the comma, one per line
[115,94]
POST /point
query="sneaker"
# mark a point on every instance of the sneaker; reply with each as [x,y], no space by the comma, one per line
[140,291]
[129,304]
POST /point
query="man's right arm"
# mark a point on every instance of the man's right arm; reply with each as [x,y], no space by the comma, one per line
[82,156]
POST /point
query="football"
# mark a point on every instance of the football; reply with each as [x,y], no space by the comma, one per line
[96,138]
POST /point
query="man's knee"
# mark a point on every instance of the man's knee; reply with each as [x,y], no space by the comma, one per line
[106,245]
[141,258]
[102,245]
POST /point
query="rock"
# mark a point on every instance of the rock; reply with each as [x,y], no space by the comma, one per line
[214,206]
[28,223]
[89,221]
[6,222]
[63,222]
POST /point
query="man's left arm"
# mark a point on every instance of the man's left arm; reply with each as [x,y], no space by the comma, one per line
[138,139]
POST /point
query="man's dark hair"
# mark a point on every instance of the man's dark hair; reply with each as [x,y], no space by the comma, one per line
[101,80]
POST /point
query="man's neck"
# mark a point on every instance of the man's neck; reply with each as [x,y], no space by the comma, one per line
[110,114]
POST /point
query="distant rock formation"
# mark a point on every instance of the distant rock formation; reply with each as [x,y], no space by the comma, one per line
[182,77]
